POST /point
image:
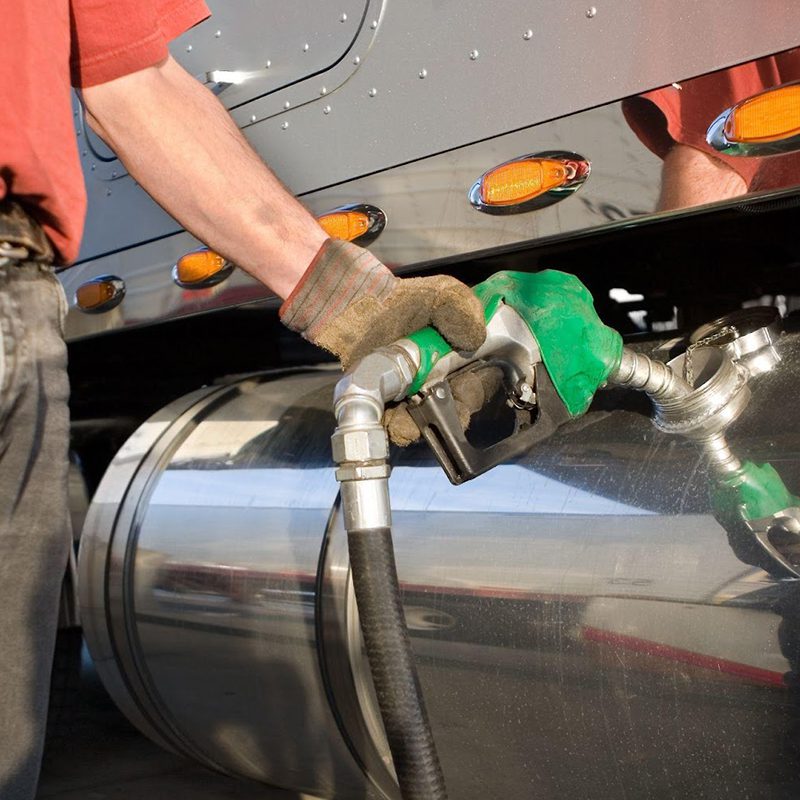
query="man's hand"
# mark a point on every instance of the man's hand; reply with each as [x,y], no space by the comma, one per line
[351,304]
[471,392]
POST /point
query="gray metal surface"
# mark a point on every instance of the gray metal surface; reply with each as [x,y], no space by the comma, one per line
[397,83]
[584,626]
[625,48]
[251,51]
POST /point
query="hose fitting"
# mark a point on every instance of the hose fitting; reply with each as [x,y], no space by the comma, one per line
[359,444]
[701,410]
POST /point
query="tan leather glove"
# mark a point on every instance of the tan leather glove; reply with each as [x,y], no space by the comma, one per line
[471,391]
[351,304]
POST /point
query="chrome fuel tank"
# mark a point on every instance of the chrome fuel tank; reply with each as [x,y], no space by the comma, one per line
[583,625]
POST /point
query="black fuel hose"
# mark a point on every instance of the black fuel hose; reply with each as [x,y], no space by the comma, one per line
[391,661]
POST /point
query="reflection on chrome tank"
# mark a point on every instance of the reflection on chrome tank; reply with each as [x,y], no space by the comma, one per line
[583,624]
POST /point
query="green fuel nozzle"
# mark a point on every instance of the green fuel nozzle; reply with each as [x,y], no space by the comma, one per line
[754,495]
[543,332]
[755,491]
[578,350]
[555,353]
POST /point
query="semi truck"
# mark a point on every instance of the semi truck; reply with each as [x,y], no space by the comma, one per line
[584,621]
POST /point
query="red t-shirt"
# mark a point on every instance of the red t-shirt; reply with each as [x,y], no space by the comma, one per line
[45,45]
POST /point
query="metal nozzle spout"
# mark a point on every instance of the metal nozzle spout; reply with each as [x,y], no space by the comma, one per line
[638,371]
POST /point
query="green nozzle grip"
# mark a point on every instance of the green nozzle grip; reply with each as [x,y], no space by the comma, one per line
[755,491]
[432,346]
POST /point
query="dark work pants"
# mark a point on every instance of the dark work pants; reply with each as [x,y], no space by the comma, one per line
[34,528]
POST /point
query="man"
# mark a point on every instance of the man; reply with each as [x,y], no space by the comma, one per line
[178,142]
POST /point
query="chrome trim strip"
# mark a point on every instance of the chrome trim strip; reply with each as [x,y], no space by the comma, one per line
[95,556]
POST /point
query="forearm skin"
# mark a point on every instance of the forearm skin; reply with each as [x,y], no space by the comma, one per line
[182,146]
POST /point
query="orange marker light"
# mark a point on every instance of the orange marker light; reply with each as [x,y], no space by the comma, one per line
[767,117]
[199,266]
[520,181]
[100,294]
[347,225]
[91,295]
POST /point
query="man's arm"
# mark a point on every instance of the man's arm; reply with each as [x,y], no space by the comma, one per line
[178,141]
[181,145]
[691,177]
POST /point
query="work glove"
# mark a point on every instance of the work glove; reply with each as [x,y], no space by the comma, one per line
[471,392]
[351,304]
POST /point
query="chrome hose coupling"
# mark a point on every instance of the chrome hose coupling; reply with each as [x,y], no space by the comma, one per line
[359,445]
[697,395]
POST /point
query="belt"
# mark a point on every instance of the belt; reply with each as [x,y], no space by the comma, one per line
[21,237]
